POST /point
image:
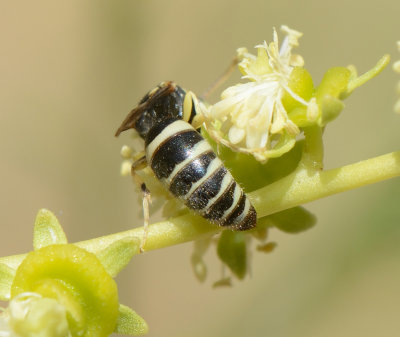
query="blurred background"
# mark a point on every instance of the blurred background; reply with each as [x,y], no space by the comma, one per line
[70,71]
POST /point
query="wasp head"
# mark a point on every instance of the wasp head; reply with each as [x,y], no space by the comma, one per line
[163,102]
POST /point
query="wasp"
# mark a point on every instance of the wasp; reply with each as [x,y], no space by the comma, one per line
[184,161]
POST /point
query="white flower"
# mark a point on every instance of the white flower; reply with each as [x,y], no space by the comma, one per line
[30,314]
[250,117]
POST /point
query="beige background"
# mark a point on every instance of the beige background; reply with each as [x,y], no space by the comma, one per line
[71,70]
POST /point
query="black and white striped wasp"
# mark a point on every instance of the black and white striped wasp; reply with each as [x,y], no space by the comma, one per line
[184,161]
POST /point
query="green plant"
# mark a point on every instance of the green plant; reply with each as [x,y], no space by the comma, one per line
[63,289]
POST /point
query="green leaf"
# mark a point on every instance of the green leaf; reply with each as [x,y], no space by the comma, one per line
[261,230]
[301,84]
[299,117]
[130,323]
[277,168]
[250,173]
[6,278]
[232,251]
[116,256]
[47,230]
[330,107]
[334,83]
[293,220]
[284,144]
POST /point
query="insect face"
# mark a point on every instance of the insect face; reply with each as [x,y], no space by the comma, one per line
[163,102]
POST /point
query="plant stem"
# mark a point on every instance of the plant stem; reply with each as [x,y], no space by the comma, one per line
[313,151]
[302,186]
[360,80]
[305,185]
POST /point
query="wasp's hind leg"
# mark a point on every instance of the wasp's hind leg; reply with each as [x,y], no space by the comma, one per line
[140,164]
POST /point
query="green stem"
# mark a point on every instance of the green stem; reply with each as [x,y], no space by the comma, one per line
[301,186]
[305,185]
[360,80]
[313,151]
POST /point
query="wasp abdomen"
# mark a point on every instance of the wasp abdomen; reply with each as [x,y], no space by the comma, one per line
[183,160]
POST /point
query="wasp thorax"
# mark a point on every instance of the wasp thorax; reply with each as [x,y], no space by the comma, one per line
[159,108]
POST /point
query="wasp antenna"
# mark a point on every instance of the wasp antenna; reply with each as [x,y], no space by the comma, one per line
[130,120]
[164,89]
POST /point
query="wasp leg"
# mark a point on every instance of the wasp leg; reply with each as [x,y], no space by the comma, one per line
[221,79]
[140,164]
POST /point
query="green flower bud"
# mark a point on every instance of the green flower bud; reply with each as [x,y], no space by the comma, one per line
[76,279]
[233,252]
